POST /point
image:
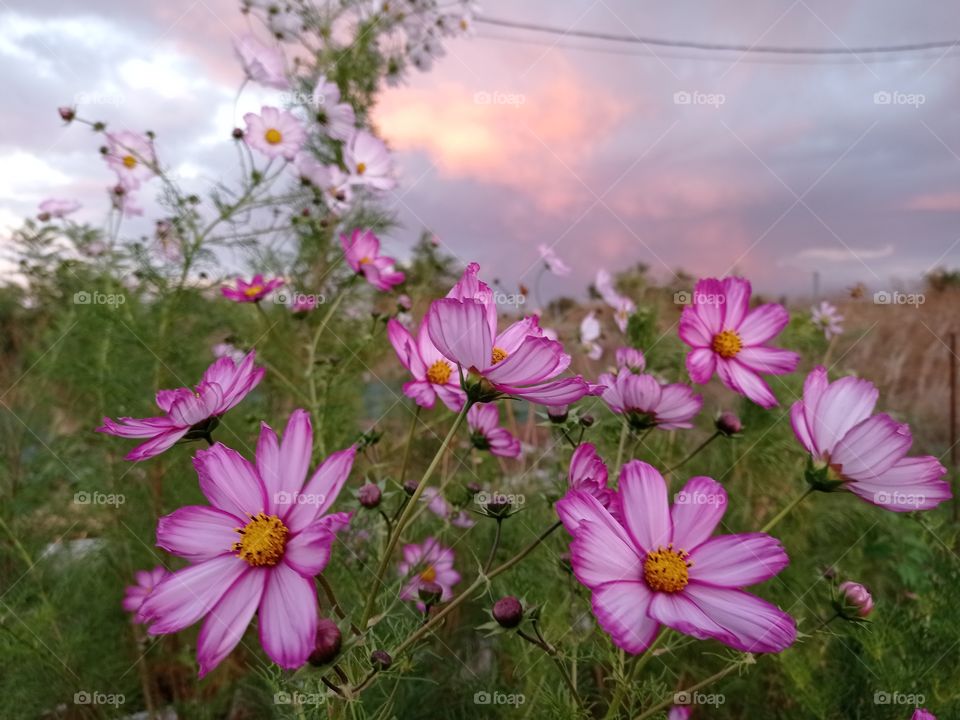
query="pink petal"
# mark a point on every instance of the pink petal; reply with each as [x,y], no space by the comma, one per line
[423,393]
[708,303]
[483,417]
[460,331]
[308,552]
[555,392]
[768,360]
[872,447]
[599,556]
[621,610]
[503,443]
[911,484]
[229,482]
[536,359]
[228,620]
[270,465]
[577,506]
[746,382]
[692,329]
[737,293]
[753,625]
[701,364]
[288,617]
[762,324]
[157,445]
[405,347]
[322,489]
[696,512]
[677,407]
[187,595]
[643,496]
[831,410]
[452,396]
[296,449]
[198,532]
[738,560]
[680,612]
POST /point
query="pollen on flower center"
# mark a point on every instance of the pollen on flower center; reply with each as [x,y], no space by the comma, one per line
[366,260]
[498,355]
[253,291]
[262,540]
[666,569]
[129,162]
[429,575]
[361,168]
[727,344]
[273,136]
[439,372]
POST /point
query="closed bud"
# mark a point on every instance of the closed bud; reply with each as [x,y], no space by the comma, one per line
[67,113]
[558,414]
[410,487]
[854,601]
[473,488]
[508,611]
[498,506]
[430,592]
[381,659]
[237,134]
[587,420]
[369,495]
[727,423]
[327,645]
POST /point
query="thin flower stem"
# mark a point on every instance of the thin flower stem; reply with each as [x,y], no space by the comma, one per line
[786,511]
[689,457]
[334,603]
[550,650]
[312,360]
[746,660]
[623,442]
[496,544]
[401,523]
[406,452]
[634,670]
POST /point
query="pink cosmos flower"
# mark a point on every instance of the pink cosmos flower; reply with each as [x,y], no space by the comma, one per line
[519,361]
[857,596]
[631,359]
[135,595]
[338,118]
[588,473]
[438,505]
[433,375]
[56,208]
[427,562]
[362,252]
[303,303]
[254,291]
[921,714]
[228,350]
[337,190]
[659,566]
[486,433]
[855,450]
[261,63]
[679,712]
[275,133]
[130,156]
[729,338]
[191,414]
[368,160]
[826,317]
[254,549]
[646,403]
[553,262]
[124,201]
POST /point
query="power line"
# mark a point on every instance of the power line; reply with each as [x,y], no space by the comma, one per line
[723,47]
[667,55]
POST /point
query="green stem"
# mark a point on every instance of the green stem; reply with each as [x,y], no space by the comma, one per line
[747,659]
[401,523]
[786,511]
[406,452]
[699,447]
[312,361]
[493,548]
[623,442]
[541,643]
[624,686]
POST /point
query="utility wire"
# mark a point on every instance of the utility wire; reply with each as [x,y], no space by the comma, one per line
[668,55]
[723,47]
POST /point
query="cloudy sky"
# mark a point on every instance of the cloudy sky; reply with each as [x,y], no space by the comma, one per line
[611,153]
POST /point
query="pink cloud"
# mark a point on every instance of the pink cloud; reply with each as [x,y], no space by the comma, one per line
[935,202]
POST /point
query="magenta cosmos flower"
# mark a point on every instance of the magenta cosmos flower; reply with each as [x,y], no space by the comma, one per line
[438,505]
[191,414]
[857,596]
[631,359]
[433,375]
[255,549]
[854,449]
[645,403]
[137,594]
[261,63]
[130,155]
[486,433]
[427,562]
[520,361]
[275,133]
[659,566]
[361,250]
[921,714]
[729,338]
[254,291]
[368,161]
[588,473]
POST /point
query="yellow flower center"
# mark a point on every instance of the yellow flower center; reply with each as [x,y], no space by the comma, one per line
[129,162]
[262,541]
[666,569]
[498,355]
[464,24]
[253,291]
[366,260]
[439,372]
[273,136]
[429,575]
[361,168]
[727,344]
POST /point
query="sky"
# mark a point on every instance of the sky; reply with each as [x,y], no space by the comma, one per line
[710,163]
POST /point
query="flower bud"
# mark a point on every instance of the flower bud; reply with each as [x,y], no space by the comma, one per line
[430,592]
[369,495]
[587,421]
[381,660]
[404,302]
[327,644]
[237,134]
[410,487]
[854,599]
[558,415]
[67,113]
[727,423]
[508,611]
[498,506]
